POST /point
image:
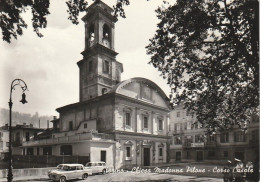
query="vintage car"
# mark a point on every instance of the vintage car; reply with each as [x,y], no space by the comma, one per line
[66,172]
[96,167]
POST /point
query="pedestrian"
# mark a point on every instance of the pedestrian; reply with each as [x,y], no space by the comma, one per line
[238,170]
[228,172]
[249,177]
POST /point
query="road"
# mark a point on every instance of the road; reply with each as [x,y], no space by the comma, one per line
[129,177]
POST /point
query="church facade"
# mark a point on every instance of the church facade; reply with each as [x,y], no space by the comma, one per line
[124,123]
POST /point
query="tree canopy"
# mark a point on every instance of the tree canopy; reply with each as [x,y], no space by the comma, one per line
[12,22]
[208,52]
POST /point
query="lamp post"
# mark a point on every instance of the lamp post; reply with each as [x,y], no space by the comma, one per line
[23,86]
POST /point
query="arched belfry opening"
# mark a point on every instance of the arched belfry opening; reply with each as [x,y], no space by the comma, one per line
[106,32]
[91,33]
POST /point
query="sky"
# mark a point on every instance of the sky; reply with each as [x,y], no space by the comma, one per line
[48,64]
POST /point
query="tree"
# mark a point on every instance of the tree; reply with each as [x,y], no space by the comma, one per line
[12,23]
[208,52]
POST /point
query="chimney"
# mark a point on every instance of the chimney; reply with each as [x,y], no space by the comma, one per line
[31,125]
[24,124]
[39,123]
[54,117]
[47,124]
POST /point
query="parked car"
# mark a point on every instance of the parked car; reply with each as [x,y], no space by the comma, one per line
[96,167]
[60,166]
[66,172]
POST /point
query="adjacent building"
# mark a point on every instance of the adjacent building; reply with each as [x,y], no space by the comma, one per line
[124,123]
[189,142]
[4,141]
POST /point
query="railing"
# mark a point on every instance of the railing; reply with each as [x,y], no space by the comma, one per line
[211,144]
[16,143]
[254,142]
[186,144]
[73,138]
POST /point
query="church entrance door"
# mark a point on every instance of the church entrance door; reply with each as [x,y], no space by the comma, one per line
[146,156]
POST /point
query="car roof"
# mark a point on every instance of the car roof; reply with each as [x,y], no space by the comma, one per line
[97,162]
[72,164]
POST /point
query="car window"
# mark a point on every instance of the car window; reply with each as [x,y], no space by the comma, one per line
[72,168]
[65,168]
[79,168]
[89,164]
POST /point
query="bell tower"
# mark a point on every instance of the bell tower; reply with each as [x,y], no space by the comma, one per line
[99,70]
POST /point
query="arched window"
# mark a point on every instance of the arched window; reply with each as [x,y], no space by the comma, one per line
[106,31]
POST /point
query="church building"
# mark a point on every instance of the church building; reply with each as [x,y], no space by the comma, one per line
[124,123]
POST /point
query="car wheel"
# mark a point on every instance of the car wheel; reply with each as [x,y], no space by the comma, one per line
[63,179]
[104,171]
[84,176]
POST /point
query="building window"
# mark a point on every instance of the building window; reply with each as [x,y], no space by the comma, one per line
[104,91]
[35,135]
[70,125]
[224,137]
[160,152]
[127,119]
[199,138]
[196,125]
[160,124]
[90,66]
[17,137]
[185,126]
[27,136]
[175,126]
[1,145]
[188,154]
[38,151]
[225,153]
[255,135]
[66,150]
[178,114]
[85,125]
[211,138]
[211,153]
[239,136]
[188,140]
[7,144]
[146,92]
[145,122]
[105,67]
[128,151]
[178,126]
[187,113]
[29,151]
[178,140]
[1,134]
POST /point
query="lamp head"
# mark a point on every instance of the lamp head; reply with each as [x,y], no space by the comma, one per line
[23,99]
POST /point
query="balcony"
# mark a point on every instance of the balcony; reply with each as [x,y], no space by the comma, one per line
[17,143]
[211,144]
[254,142]
[70,139]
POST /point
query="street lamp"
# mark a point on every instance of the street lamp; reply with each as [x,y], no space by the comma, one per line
[23,86]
